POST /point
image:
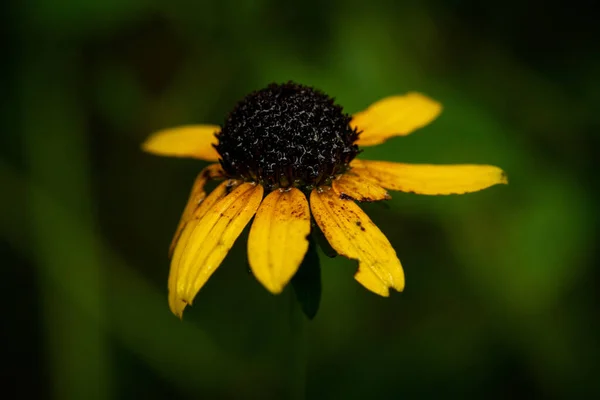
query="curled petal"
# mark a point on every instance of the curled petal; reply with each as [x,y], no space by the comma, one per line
[197,196]
[394,116]
[177,304]
[194,141]
[352,234]
[431,179]
[204,243]
[278,238]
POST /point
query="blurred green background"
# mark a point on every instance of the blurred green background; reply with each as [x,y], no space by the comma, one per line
[501,299]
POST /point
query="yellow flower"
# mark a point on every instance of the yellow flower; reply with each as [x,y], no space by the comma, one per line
[293,144]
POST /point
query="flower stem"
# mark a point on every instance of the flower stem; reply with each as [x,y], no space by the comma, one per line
[298,350]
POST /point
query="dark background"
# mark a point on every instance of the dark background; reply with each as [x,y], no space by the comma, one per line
[502,295]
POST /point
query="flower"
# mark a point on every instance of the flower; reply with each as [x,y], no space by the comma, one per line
[293,144]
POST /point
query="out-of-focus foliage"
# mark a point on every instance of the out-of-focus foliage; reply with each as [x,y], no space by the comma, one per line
[501,295]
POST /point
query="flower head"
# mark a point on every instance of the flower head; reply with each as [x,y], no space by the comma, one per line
[285,153]
[287,136]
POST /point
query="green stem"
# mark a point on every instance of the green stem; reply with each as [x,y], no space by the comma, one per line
[298,350]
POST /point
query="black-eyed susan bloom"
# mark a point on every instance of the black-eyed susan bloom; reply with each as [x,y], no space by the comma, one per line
[285,153]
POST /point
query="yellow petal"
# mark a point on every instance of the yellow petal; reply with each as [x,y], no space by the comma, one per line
[352,186]
[175,302]
[278,238]
[371,281]
[194,141]
[431,179]
[204,243]
[352,234]
[220,192]
[197,195]
[394,116]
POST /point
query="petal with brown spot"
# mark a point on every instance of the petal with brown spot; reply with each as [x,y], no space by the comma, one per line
[352,185]
[352,234]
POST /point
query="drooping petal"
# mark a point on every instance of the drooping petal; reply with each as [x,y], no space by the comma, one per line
[278,238]
[197,196]
[175,302]
[194,141]
[352,234]
[204,243]
[359,188]
[431,179]
[394,116]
